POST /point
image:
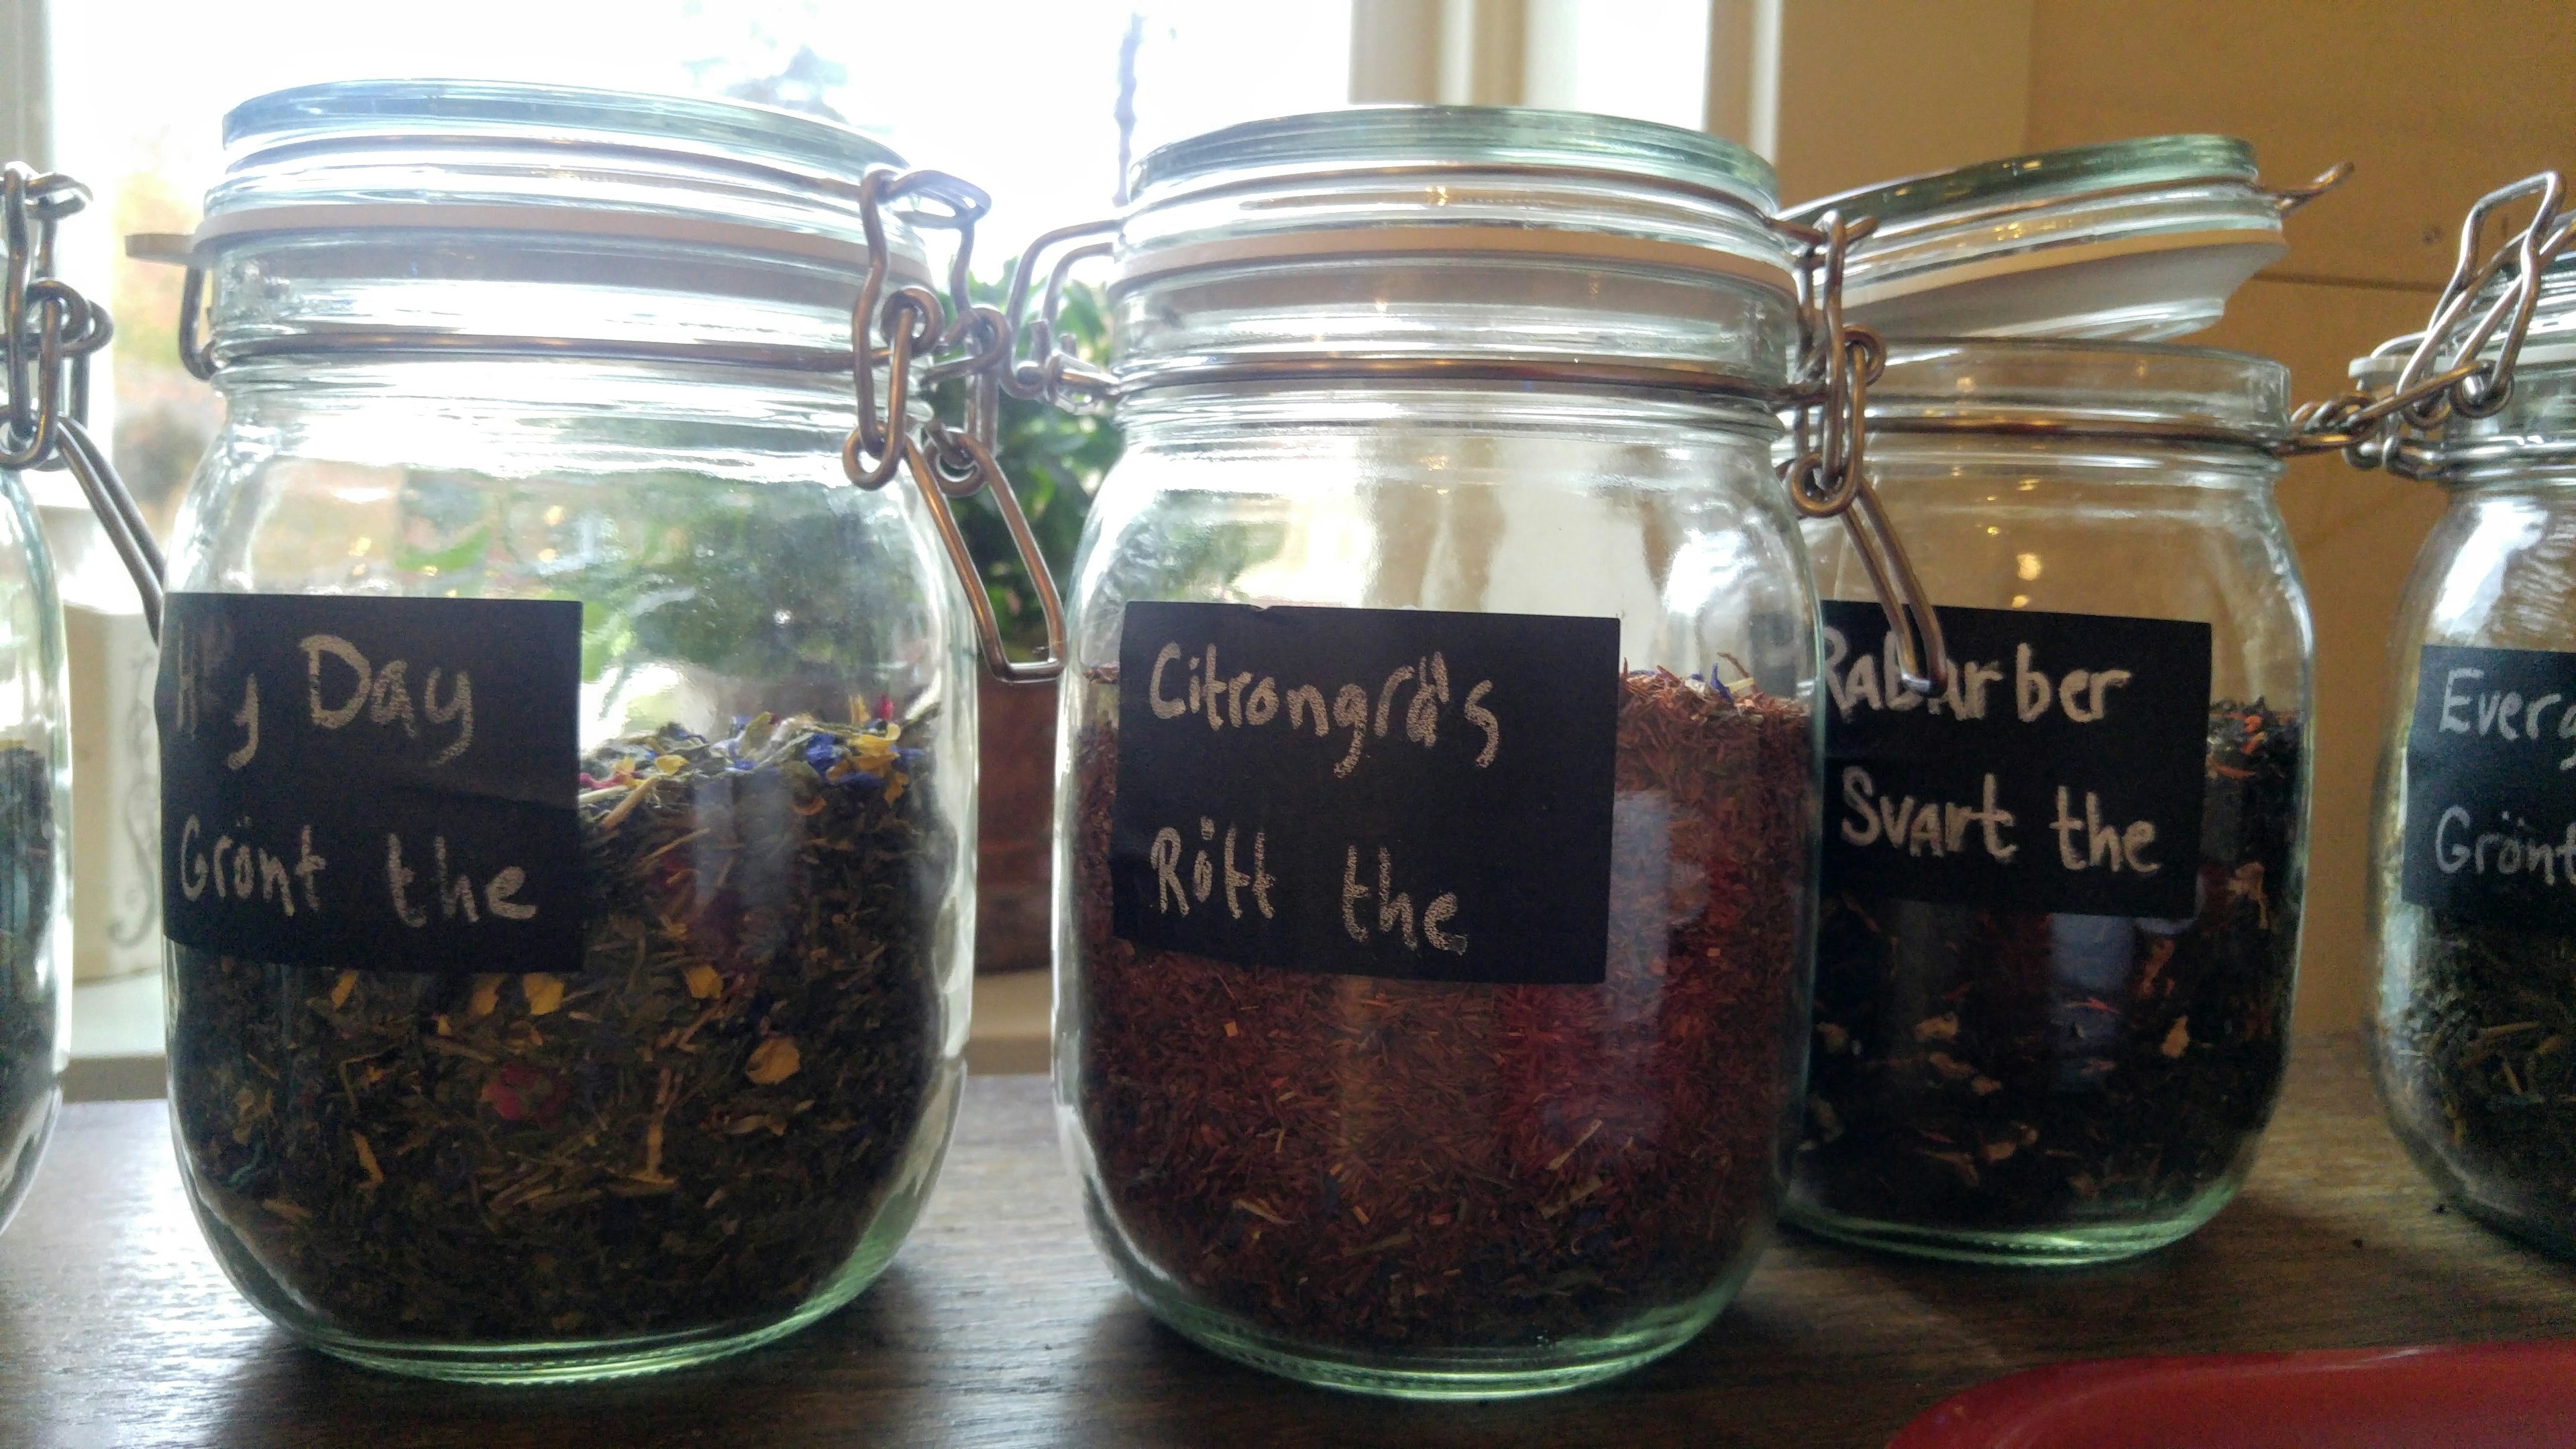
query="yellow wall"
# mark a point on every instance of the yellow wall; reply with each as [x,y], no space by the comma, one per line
[2435,103]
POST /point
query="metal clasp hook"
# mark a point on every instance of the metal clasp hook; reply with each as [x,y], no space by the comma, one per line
[51,332]
[2446,371]
[1826,472]
[929,340]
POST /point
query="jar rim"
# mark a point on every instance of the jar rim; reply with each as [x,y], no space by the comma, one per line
[2144,391]
[1468,138]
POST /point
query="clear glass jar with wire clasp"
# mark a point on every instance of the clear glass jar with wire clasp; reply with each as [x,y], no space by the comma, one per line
[50,333]
[1435,812]
[2473,842]
[35,773]
[546,391]
[2060,916]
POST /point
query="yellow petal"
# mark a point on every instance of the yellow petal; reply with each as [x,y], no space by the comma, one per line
[773,1061]
[705,982]
[486,998]
[544,992]
[341,988]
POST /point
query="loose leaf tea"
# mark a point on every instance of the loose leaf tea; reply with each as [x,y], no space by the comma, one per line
[1976,1068]
[1401,1163]
[2481,1066]
[28,851]
[694,1132]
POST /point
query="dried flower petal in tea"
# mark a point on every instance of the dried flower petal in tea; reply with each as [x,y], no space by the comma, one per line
[695,1133]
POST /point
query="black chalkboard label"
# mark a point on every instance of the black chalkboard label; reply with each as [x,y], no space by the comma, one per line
[1378,792]
[2490,831]
[375,782]
[2063,770]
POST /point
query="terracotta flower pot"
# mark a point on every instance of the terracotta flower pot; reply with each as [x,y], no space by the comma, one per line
[1015,826]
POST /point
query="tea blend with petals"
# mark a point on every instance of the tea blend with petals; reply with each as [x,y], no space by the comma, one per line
[694,1132]
[1987,1069]
[28,855]
[1378,1163]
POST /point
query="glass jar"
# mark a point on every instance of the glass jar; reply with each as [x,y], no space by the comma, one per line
[2473,842]
[1436,814]
[2061,900]
[621,1027]
[35,798]
[2141,240]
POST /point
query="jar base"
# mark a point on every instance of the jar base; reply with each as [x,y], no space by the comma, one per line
[1464,1374]
[571,1363]
[30,1152]
[2070,1246]
[1450,1374]
[2557,1242]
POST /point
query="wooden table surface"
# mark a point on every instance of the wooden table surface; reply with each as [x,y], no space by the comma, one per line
[997,1325]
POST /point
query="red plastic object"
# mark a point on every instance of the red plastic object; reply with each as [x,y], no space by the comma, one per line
[2464,1396]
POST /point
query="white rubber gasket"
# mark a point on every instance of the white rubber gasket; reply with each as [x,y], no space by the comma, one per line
[1352,243]
[1937,276]
[540,220]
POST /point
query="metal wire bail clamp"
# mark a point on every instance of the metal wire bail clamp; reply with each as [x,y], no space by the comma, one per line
[929,340]
[52,331]
[1826,472]
[1048,373]
[2445,372]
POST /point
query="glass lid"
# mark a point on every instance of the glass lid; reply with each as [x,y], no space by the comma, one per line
[2135,240]
[501,156]
[1477,241]
[1466,138]
[1455,180]
[495,217]
[2042,174]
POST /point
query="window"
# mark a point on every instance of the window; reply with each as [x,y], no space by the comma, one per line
[1038,102]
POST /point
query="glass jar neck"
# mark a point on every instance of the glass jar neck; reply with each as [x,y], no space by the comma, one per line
[537,414]
[1900,459]
[1508,315]
[2529,442]
[304,296]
